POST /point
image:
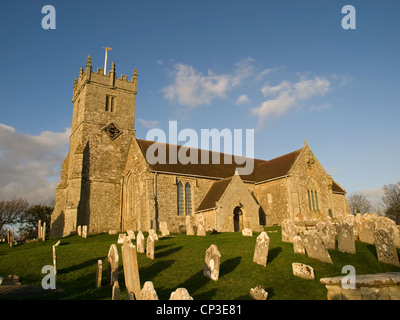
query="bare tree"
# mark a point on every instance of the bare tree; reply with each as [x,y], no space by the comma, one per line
[31,217]
[12,210]
[391,199]
[359,203]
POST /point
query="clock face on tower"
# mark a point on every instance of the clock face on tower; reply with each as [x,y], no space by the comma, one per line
[112,131]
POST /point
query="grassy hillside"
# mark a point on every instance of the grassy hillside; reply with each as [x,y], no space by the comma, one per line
[179,262]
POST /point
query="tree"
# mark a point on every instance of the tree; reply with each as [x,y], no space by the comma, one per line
[31,217]
[359,203]
[391,199]
[12,210]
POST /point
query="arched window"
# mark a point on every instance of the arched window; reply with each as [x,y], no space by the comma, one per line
[181,203]
[312,196]
[188,199]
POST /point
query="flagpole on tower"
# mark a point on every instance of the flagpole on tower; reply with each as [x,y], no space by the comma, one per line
[105,60]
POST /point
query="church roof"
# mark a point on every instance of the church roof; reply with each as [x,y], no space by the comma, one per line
[213,194]
[263,170]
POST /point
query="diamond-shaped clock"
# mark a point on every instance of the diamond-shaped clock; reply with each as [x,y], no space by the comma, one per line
[112,130]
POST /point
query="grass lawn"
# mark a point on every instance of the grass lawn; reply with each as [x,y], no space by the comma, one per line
[179,262]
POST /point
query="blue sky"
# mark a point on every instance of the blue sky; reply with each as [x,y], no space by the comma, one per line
[285,68]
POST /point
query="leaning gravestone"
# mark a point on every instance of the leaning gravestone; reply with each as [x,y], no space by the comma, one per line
[99,273]
[288,230]
[389,225]
[211,263]
[314,246]
[131,234]
[327,232]
[131,268]
[113,261]
[303,271]
[189,226]
[346,238]
[150,247]
[148,292]
[385,248]
[140,242]
[180,294]
[261,249]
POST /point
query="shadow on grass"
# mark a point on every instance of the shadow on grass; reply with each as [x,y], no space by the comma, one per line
[152,271]
[82,265]
[372,249]
[273,253]
[167,252]
[228,266]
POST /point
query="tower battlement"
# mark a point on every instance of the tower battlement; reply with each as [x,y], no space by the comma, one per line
[98,77]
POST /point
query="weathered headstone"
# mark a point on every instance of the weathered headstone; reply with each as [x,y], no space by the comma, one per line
[298,246]
[43,232]
[180,294]
[113,261]
[189,226]
[115,291]
[212,262]
[258,293]
[55,257]
[303,271]
[366,228]
[153,233]
[148,292]
[99,273]
[346,238]
[140,242]
[247,232]
[201,227]
[314,246]
[79,230]
[150,247]
[327,232]
[164,229]
[385,248]
[261,249]
[288,230]
[389,225]
[84,231]
[131,268]
[356,224]
[121,238]
[39,236]
[131,234]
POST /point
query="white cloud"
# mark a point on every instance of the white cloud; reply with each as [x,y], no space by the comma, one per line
[287,95]
[320,108]
[148,123]
[192,88]
[242,99]
[30,165]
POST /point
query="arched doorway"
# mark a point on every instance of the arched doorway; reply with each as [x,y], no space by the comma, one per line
[237,219]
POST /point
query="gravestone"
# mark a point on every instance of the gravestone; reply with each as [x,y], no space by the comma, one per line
[189,226]
[150,247]
[346,238]
[247,232]
[385,247]
[303,271]
[113,261]
[148,292]
[261,249]
[180,294]
[212,262]
[84,231]
[121,238]
[366,228]
[258,293]
[288,230]
[314,246]
[131,234]
[79,230]
[140,242]
[131,268]
[55,257]
[99,273]
[298,246]
[164,229]
[201,227]
[153,233]
[115,291]
[389,225]
[327,232]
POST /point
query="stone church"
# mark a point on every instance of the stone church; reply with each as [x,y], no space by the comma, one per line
[107,183]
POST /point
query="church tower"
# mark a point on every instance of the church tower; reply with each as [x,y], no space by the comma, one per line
[102,127]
